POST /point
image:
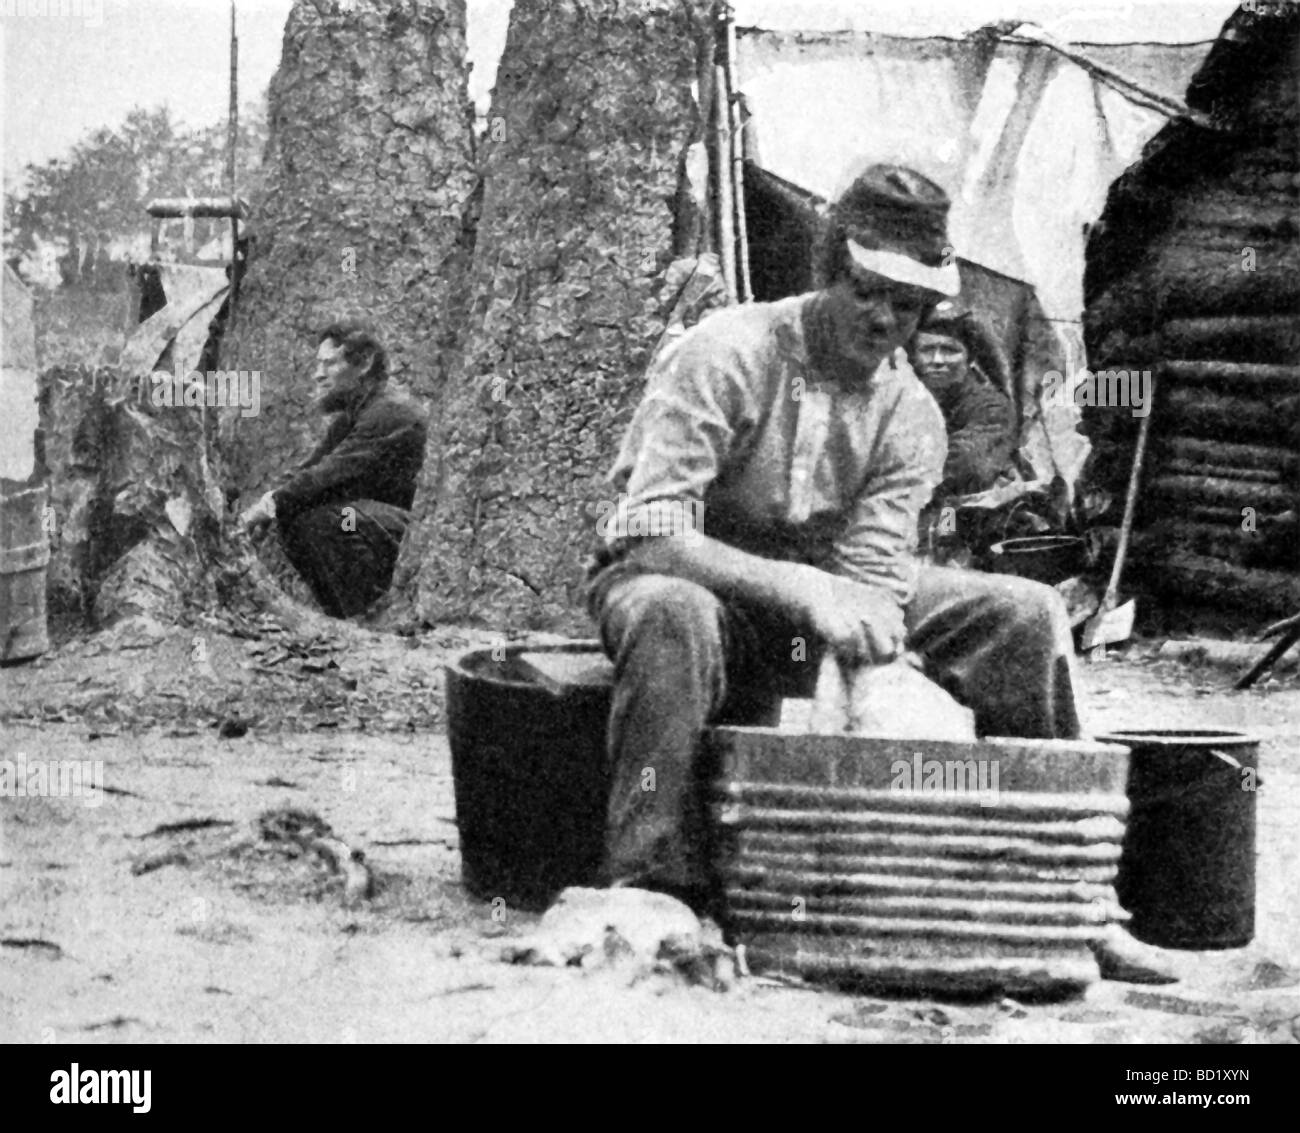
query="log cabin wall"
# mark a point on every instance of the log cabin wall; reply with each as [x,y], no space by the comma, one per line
[1193,272]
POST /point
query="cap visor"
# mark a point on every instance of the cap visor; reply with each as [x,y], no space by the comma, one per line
[945,280]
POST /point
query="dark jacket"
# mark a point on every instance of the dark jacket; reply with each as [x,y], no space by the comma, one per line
[981,436]
[371,452]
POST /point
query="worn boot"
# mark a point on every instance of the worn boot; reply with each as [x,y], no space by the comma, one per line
[1122,957]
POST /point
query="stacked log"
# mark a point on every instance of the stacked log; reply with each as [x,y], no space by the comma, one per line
[839,864]
[1248,338]
[1196,271]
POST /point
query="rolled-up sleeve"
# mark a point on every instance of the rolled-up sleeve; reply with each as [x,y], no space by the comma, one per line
[878,543]
[695,406]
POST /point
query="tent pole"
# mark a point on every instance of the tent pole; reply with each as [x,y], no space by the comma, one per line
[737,158]
[232,144]
[704,76]
[726,203]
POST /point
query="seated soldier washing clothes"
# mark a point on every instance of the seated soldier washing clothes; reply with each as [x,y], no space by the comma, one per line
[342,513]
[799,433]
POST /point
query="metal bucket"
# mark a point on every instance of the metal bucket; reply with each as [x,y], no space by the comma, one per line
[1043,558]
[1187,874]
[530,771]
[24,555]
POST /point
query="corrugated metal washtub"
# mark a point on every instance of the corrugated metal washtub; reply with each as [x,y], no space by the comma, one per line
[921,867]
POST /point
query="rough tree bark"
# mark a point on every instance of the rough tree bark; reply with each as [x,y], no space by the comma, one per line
[135,508]
[592,116]
[369,165]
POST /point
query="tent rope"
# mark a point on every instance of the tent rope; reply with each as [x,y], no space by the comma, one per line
[1131,89]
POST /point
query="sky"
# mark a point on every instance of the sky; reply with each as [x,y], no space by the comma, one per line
[71,66]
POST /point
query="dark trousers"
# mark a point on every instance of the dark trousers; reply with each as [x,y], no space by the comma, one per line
[346,551]
[685,659]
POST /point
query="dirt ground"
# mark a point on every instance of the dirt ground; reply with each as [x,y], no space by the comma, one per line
[114,930]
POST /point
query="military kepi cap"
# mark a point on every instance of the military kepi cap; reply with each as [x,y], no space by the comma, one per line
[895,222]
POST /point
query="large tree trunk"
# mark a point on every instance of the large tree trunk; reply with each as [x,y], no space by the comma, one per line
[592,116]
[369,166]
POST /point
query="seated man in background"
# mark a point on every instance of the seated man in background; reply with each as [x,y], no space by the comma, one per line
[946,354]
[342,513]
[959,362]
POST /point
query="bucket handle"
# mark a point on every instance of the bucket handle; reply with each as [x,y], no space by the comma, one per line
[1235,764]
[1185,790]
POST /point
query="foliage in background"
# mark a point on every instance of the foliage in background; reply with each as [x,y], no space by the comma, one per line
[90,203]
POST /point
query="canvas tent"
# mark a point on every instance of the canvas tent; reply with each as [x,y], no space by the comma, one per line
[1025,139]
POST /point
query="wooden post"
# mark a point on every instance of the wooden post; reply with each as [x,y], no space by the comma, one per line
[726,204]
[232,143]
[737,159]
[704,72]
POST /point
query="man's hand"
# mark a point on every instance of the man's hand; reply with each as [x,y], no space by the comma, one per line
[860,625]
[260,515]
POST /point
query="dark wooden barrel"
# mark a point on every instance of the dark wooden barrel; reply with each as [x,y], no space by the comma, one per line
[1187,874]
[24,556]
[528,759]
[24,547]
